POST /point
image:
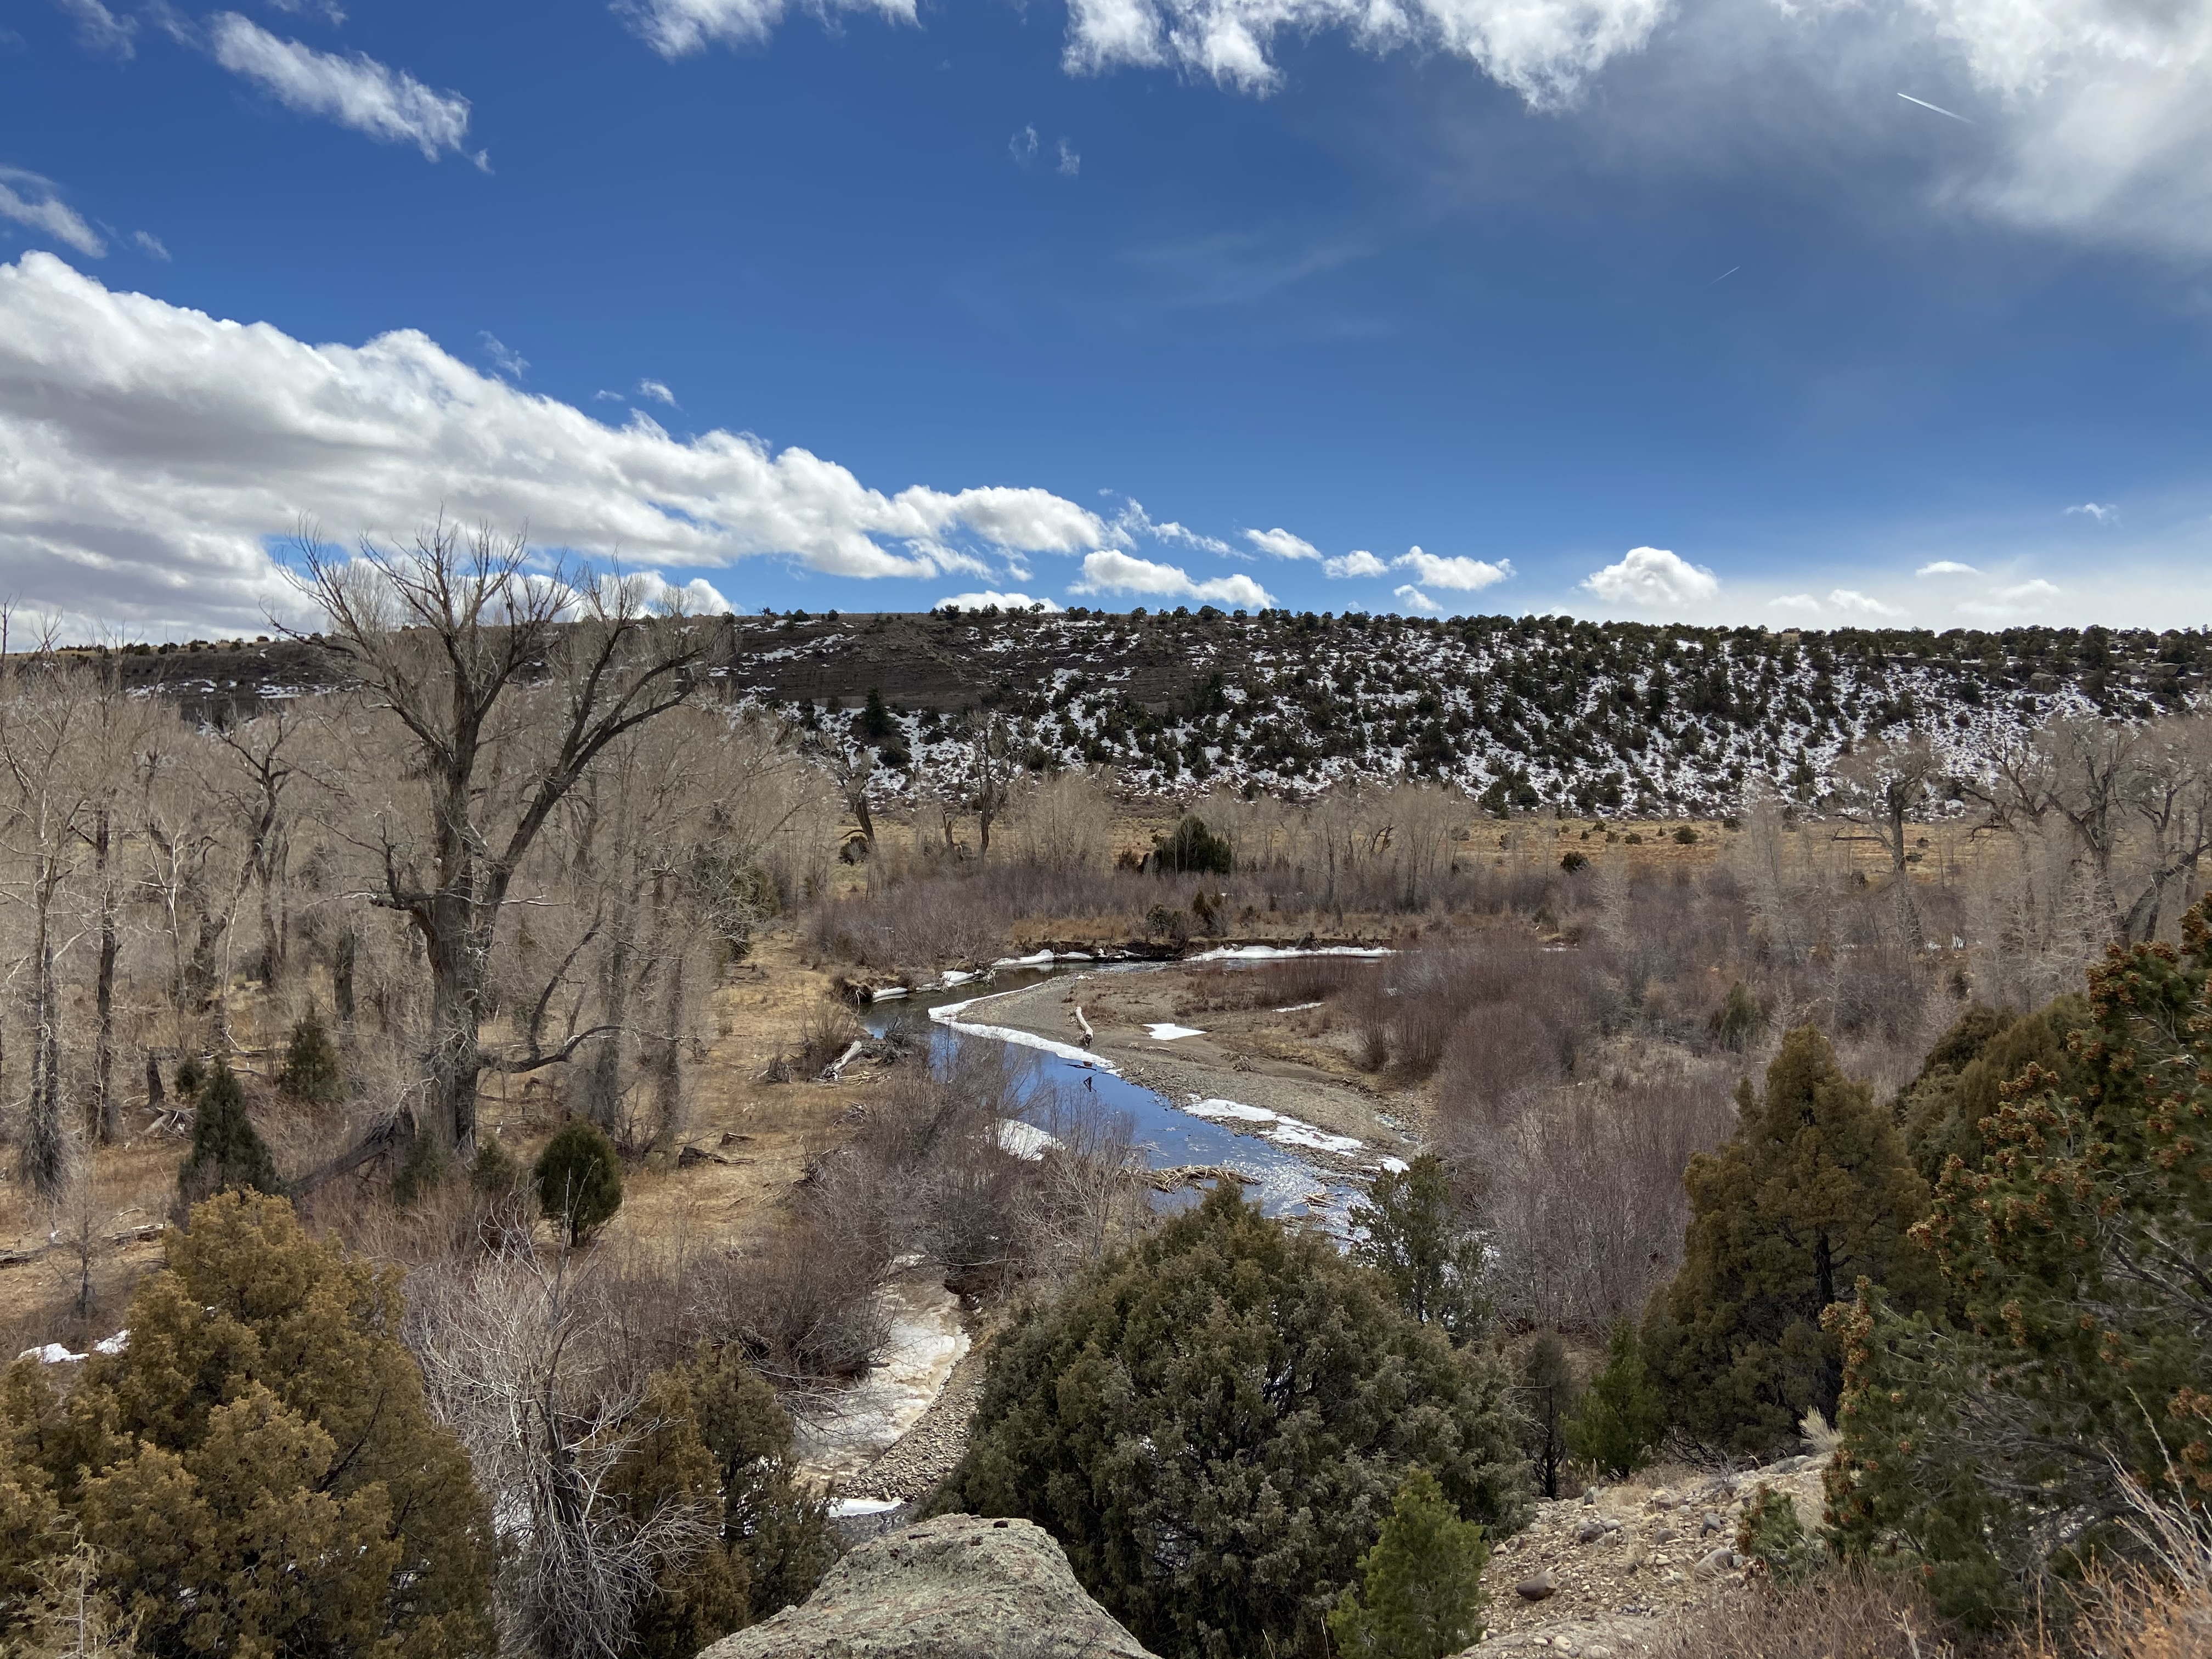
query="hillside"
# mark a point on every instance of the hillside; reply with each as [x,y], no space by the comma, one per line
[1522,711]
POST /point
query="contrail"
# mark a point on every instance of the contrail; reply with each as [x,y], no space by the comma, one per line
[1725,274]
[1938,108]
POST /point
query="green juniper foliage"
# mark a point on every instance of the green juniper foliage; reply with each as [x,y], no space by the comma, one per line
[313,1071]
[1193,849]
[227,1151]
[1812,1192]
[1420,1594]
[1941,1111]
[1623,1415]
[1410,1236]
[1213,1423]
[257,1470]
[2075,1248]
[579,1179]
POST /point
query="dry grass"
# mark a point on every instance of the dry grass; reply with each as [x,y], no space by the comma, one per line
[1835,1616]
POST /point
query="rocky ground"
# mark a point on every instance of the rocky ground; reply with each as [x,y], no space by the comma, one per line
[959,1587]
[921,1458]
[1596,1577]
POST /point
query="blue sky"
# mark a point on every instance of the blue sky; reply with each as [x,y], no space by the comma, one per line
[1617,306]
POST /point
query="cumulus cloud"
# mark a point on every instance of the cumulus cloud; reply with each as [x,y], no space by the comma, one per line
[1281,544]
[675,29]
[1854,602]
[1110,572]
[697,597]
[1358,563]
[389,104]
[657,391]
[989,596]
[2103,512]
[1412,599]
[1461,575]
[1947,567]
[30,201]
[1652,579]
[154,452]
[1804,602]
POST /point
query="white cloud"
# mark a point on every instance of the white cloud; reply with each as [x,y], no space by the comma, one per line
[101,29]
[1022,146]
[1947,567]
[1461,575]
[2101,512]
[2020,598]
[1281,544]
[41,210]
[1070,162]
[695,598]
[1543,49]
[1651,579]
[1110,572]
[1358,563]
[1864,604]
[150,245]
[991,597]
[657,391]
[1414,599]
[357,92]
[152,451]
[1133,521]
[1794,602]
[675,29]
[512,364]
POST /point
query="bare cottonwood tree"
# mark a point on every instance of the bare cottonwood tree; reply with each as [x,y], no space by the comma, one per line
[509,682]
[47,806]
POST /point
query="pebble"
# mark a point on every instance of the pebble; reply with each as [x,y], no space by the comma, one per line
[1538,1588]
[1713,1522]
[1720,1561]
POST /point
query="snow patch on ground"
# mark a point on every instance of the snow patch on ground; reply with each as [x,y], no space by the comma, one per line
[1284,952]
[1298,1007]
[1026,1140]
[1283,1131]
[1168,1031]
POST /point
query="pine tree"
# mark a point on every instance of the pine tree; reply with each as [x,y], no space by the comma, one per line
[1212,1423]
[1811,1193]
[579,1179]
[1960,1084]
[1623,1415]
[1420,1594]
[227,1151]
[257,1468]
[1407,1232]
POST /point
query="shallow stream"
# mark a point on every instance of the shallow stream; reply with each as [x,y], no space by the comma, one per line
[1291,1168]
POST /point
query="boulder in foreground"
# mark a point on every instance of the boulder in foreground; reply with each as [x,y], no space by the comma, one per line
[959,1587]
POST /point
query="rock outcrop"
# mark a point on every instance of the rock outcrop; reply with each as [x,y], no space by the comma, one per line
[959,1587]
